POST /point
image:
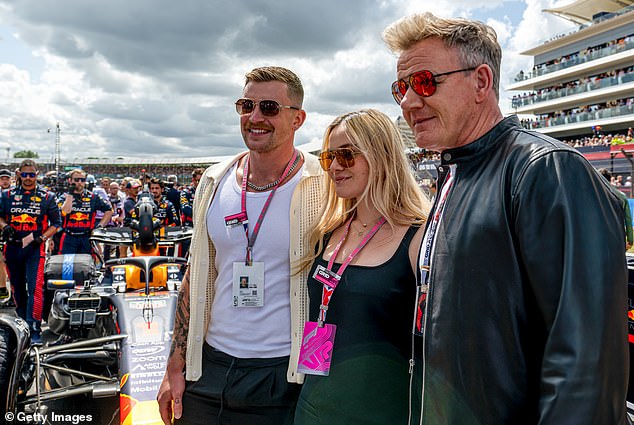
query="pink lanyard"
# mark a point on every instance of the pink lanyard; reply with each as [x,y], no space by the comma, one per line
[327,291]
[256,229]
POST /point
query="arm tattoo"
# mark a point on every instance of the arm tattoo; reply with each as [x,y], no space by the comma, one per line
[181,320]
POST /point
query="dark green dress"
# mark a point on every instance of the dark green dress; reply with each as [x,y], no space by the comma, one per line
[373,309]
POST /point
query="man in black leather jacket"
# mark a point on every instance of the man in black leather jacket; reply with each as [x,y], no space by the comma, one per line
[521,312]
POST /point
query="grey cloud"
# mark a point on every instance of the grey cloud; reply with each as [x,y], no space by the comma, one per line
[62,99]
[67,45]
[133,109]
[214,84]
[218,117]
[143,35]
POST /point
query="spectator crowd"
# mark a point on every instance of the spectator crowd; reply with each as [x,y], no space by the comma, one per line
[585,55]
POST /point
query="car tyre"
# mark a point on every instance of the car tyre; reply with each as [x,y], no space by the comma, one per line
[7,358]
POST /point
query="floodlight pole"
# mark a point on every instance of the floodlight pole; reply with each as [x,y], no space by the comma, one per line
[57,149]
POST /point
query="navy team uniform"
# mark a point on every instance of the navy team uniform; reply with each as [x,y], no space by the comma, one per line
[78,224]
[28,212]
[128,210]
[174,196]
[187,214]
[164,212]
[187,202]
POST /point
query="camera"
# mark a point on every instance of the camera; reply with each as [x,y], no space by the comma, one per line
[56,184]
[61,184]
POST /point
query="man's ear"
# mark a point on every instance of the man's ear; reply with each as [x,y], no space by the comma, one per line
[300,118]
[483,82]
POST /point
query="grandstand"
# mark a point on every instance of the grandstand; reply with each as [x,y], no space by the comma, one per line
[583,80]
[581,86]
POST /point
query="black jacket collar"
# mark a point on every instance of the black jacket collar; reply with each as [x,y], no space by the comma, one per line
[479,146]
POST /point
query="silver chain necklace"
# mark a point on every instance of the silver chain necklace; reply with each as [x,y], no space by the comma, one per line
[276,182]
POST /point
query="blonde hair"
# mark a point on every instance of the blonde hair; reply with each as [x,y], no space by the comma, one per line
[391,187]
[294,86]
[475,41]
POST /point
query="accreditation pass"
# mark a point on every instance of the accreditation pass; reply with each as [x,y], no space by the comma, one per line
[248,284]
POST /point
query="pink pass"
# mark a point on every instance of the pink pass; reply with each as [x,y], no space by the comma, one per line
[316,351]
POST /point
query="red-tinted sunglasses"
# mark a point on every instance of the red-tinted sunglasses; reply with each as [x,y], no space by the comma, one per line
[422,82]
[344,156]
[269,108]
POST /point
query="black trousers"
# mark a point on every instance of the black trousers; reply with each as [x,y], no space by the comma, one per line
[234,391]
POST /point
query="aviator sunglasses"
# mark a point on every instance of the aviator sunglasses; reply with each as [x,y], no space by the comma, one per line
[422,82]
[344,156]
[79,179]
[269,108]
[28,175]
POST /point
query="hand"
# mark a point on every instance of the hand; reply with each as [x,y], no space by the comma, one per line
[8,233]
[170,396]
[99,226]
[37,241]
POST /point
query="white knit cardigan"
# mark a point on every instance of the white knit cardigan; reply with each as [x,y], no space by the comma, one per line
[305,206]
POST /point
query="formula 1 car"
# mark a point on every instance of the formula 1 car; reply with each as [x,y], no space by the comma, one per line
[114,327]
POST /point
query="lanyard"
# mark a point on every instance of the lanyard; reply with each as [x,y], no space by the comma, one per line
[430,235]
[328,290]
[256,229]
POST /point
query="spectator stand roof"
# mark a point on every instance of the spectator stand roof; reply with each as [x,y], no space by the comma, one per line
[582,11]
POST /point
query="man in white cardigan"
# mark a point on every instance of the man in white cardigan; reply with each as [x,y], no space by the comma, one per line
[241,307]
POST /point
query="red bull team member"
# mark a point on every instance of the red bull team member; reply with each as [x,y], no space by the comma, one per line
[187,197]
[29,216]
[78,211]
[187,202]
[132,189]
[165,210]
[172,193]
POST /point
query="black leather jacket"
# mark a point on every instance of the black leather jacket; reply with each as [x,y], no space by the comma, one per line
[526,310]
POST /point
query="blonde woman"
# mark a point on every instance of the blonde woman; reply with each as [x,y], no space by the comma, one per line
[362,284]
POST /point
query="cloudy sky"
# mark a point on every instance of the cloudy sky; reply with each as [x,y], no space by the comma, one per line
[130,78]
